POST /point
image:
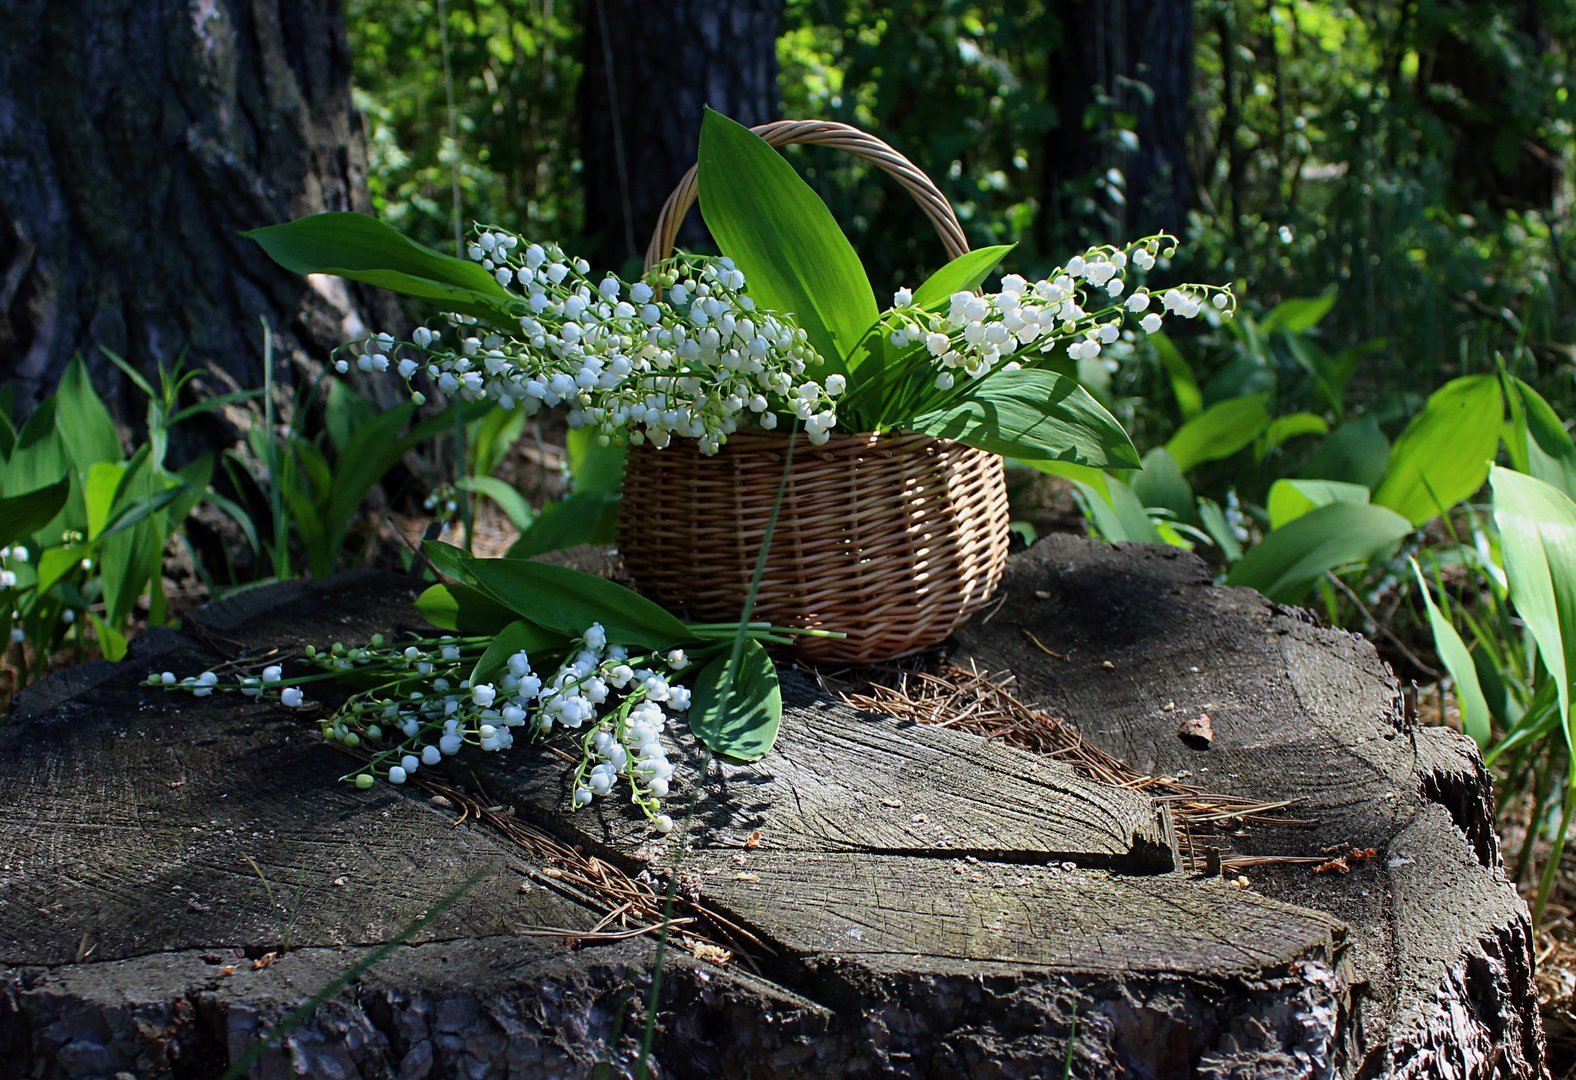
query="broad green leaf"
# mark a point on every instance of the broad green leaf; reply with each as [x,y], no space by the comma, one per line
[1443,455]
[591,464]
[1119,517]
[491,437]
[461,609]
[1161,484]
[586,517]
[1184,386]
[781,235]
[1241,377]
[112,643]
[55,564]
[1291,499]
[1330,374]
[1032,415]
[1297,315]
[1537,526]
[344,413]
[518,636]
[569,601]
[361,248]
[1097,480]
[506,495]
[1219,431]
[82,420]
[1292,426]
[737,713]
[1355,453]
[128,557]
[966,273]
[134,510]
[24,514]
[39,459]
[449,560]
[1219,529]
[1546,446]
[196,476]
[98,493]
[1286,563]
[1458,662]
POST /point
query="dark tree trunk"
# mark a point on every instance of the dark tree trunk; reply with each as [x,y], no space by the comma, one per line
[1132,57]
[647,77]
[138,138]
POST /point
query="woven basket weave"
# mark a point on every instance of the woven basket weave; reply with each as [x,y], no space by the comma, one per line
[890,539]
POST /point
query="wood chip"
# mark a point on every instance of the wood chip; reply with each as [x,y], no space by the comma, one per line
[1197,731]
[710,953]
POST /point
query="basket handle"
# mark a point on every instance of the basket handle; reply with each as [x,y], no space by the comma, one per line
[822,133]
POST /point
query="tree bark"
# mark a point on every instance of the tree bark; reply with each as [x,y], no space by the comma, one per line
[1113,46]
[647,79]
[138,139]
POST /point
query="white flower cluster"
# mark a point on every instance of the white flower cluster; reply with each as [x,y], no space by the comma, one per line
[694,360]
[10,554]
[427,709]
[1083,306]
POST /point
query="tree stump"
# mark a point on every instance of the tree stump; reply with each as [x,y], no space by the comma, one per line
[877,897]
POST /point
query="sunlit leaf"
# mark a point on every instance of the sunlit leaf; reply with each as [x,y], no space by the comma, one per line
[1537,525]
[1443,455]
[737,713]
[1032,414]
[1219,431]
[1287,562]
[1453,653]
[777,230]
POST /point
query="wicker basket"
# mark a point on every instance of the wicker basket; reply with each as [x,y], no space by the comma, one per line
[890,539]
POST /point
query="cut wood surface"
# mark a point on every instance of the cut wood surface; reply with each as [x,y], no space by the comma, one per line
[877,897]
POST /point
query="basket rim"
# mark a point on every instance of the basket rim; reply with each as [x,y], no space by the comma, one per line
[836,439]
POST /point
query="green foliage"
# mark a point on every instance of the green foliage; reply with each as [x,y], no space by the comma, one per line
[1443,455]
[322,481]
[737,707]
[1537,529]
[565,600]
[737,703]
[1034,416]
[515,65]
[87,527]
[364,249]
[1291,559]
[779,233]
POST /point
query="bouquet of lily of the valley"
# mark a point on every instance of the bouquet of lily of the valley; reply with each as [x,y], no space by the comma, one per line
[535,651]
[781,329]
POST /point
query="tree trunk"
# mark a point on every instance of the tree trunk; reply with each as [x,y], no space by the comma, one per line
[646,81]
[1111,47]
[138,139]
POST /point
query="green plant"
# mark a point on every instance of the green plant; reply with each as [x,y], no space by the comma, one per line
[1515,667]
[86,533]
[702,358]
[316,484]
[538,647]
